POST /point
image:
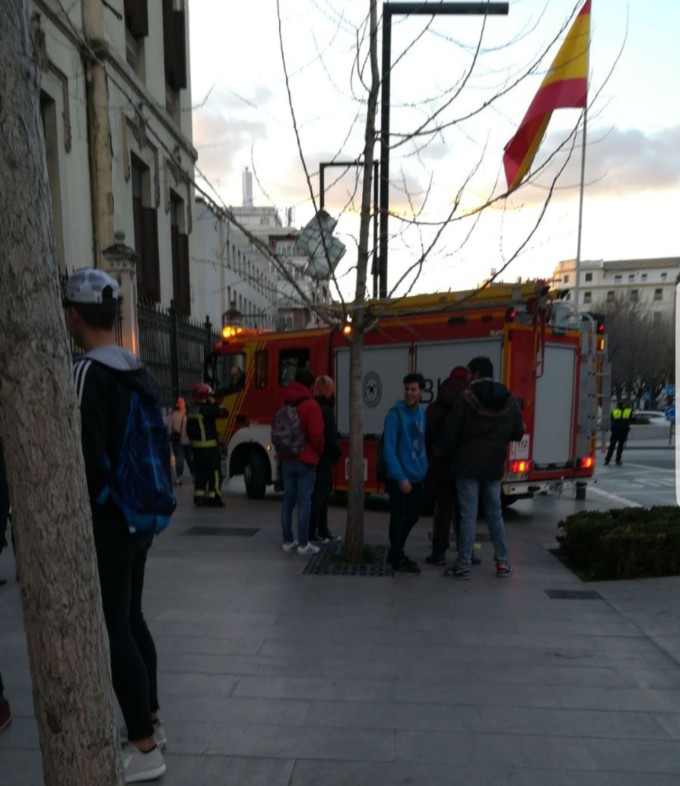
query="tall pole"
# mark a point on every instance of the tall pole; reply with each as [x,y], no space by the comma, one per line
[421,9]
[580,211]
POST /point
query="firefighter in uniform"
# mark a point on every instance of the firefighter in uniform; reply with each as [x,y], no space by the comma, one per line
[202,431]
[620,426]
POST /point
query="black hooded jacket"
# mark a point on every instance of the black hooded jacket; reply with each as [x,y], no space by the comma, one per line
[477,432]
[104,378]
[436,413]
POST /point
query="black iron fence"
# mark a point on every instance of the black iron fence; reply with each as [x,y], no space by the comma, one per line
[173,348]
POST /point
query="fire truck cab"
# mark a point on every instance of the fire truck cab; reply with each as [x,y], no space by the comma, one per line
[548,357]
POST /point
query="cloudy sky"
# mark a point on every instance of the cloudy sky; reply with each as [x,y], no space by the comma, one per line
[243,119]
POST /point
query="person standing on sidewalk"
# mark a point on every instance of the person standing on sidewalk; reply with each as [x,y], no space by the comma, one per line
[620,427]
[299,470]
[439,471]
[179,440]
[476,436]
[405,469]
[324,394]
[205,448]
[105,377]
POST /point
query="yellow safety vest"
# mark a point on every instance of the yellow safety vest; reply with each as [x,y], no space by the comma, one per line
[622,414]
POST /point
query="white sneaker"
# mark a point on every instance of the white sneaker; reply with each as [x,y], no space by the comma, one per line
[159,735]
[289,546]
[140,767]
[310,548]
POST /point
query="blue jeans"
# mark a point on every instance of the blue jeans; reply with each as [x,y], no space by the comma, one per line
[298,484]
[470,492]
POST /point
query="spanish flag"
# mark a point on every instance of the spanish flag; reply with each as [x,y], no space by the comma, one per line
[565,85]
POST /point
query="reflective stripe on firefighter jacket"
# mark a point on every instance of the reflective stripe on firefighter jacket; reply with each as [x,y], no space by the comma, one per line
[201,431]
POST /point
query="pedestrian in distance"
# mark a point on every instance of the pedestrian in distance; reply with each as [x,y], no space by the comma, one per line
[405,468]
[299,459]
[620,427]
[324,393]
[439,475]
[482,423]
[109,382]
[205,446]
[179,439]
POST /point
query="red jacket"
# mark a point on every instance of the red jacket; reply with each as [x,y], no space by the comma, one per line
[311,420]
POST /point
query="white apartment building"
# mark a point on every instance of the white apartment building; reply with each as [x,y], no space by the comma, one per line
[265,223]
[232,280]
[116,109]
[649,282]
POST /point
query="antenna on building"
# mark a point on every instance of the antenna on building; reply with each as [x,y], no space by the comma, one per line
[290,216]
[247,188]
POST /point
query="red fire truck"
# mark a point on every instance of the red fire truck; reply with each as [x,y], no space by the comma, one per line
[550,359]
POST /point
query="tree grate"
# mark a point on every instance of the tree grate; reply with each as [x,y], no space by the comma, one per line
[561,594]
[326,563]
[237,532]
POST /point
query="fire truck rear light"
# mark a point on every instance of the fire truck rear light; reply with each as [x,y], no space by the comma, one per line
[587,462]
[521,467]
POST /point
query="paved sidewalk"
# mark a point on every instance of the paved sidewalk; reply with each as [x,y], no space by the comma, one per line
[271,677]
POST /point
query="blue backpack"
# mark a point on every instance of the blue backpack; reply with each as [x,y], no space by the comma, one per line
[141,483]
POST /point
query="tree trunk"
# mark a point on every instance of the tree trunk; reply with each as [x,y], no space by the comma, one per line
[40,424]
[354,533]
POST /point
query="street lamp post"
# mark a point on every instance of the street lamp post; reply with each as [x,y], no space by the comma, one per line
[389,10]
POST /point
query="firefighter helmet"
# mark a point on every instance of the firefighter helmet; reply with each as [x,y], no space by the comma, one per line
[200,393]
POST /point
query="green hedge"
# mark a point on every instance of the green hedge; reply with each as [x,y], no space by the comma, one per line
[628,543]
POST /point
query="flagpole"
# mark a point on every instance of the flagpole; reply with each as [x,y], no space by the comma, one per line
[580,208]
[583,179]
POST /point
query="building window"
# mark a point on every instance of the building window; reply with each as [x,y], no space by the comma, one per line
[611,297]
[146,232]
[136,30]
[618,278]
[631,276]
[587,297]
[589,276]
[634,295]
[664,276]
[48,113]
[174,45]
[566,279]
[643,276]
[658,294]
[180,256]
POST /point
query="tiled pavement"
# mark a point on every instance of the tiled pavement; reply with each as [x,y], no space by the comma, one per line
[271,677]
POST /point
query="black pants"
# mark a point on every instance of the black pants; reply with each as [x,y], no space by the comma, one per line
[207,479]
[617,441]
[446,510]
[121,559]
[404,513]
[318,518]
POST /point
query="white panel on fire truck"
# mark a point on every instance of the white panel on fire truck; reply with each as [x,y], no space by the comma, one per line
[384,369]
[553,415]
[435,360]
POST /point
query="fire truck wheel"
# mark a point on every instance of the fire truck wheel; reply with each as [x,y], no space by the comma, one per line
[255,474]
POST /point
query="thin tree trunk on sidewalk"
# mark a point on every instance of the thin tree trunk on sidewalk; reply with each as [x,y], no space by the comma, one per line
[40,424]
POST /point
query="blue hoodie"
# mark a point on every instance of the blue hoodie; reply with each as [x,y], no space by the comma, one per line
[404,444]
